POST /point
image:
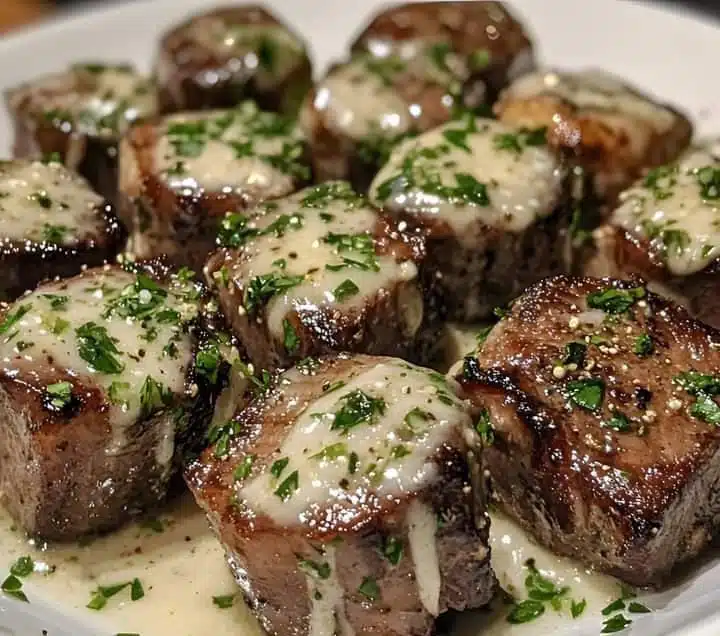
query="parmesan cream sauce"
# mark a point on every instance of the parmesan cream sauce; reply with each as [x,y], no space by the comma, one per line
[183,567]
[323,478]
[51,334]
[46,202]
[100,100]
[241,44]
[521,186]
[219,167]
[301,251]
[593,90]
[680,223]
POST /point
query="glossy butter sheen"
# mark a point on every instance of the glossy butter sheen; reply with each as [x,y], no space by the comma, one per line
[41,202]
[676,205]
[403,387]
[521,186]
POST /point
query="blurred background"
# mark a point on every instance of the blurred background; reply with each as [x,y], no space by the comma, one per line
[16,13]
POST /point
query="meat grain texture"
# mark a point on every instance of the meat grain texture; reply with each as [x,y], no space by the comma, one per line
[602,397]
[374,554]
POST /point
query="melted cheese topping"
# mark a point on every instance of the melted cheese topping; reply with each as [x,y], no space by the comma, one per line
[45,202]
[677,209]
[95,99]
[474,171]
[324,247]
[236,151]
[65,326]
[358,103]
[268,49]
[593,90]
[376,435]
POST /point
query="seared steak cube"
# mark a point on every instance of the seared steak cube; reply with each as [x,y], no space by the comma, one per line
[603,401]
[344,500]
[221,57]
[412,69]
[98,398]
[317,272]
[51,224]
[667,229]
[180,174]
[609,129]
[493,204]
[80,114]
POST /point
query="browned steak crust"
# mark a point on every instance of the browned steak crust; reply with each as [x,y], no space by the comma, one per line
[218,58]
[362,549]
[606,442]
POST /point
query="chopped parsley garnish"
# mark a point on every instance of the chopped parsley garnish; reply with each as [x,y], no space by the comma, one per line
[479,59]
[698,383]
[13,318]
[615,623]
[385,68]
[706,409]
[616,606]
[618,422]
[244,468]
[291,340]
[208,361]
[661,180]
[362,245]
[526,611]
[42,199]
[638,608]
[392,549]
[57,302]
[577,608]
[587,394]
[369,588]
[615,301]
[59,394]
[262,288]
[102,594]
[224,602]
[140,301]
[643,345]
[279,466]
[98,349]
[345,290]
[234,231]
[23,567]
[709,181]
[288,487]
[116,392]
[220,435]
[484,428]
[54,233]
[333,451]
[321,195]
[517,142]
[153,396]
[319,569]
[357,408]
[574,353]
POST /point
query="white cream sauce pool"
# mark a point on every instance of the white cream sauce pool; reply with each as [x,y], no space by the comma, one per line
[181,569]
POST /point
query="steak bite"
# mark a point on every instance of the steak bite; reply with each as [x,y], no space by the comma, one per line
[318,272]
[79,115]
[667,229]
[218,58]
[180,174]
[602,397]
[51,224]
[491,202]
[343,498]
[412,69]
[608,128]
[99,397]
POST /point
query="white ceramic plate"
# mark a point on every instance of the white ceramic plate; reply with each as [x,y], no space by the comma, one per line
[669,54]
